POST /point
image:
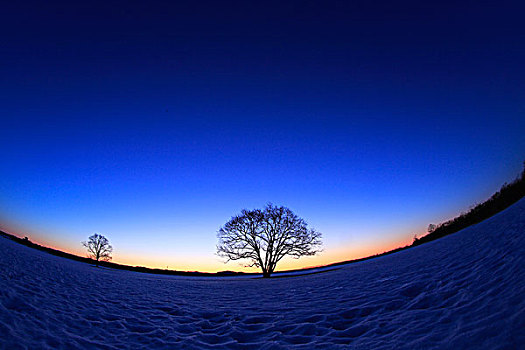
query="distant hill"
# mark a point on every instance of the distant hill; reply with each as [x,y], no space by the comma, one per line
[504,198]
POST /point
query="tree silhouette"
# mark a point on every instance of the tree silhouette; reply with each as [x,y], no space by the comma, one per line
[98,248]
[264,237]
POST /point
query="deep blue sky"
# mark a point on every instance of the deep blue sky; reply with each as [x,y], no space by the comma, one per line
[154,122]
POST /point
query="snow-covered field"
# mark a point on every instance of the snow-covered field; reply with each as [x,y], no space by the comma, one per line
[466,290]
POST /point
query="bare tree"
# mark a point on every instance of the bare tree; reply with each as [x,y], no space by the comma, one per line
[264,237]
[98,248]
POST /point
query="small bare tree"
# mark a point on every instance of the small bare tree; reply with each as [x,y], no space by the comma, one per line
[98,248]
[264,237]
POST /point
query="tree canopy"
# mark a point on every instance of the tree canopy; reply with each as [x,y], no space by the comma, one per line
[264,237]
[98,248]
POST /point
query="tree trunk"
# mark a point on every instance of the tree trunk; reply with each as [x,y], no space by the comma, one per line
[266,273]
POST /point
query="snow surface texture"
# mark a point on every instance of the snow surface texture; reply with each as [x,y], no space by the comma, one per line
[463,291]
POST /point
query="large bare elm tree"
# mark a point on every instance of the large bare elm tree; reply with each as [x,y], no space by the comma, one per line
[264,237]
[98,248]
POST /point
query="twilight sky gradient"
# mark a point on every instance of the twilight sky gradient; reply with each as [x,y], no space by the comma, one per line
[153,123]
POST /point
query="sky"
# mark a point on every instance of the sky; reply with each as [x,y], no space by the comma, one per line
[153,123]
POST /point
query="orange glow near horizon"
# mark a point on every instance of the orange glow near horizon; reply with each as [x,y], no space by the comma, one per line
[213,263]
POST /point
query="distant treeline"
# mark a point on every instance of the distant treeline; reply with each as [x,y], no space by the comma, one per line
[505,197]
[25,241]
